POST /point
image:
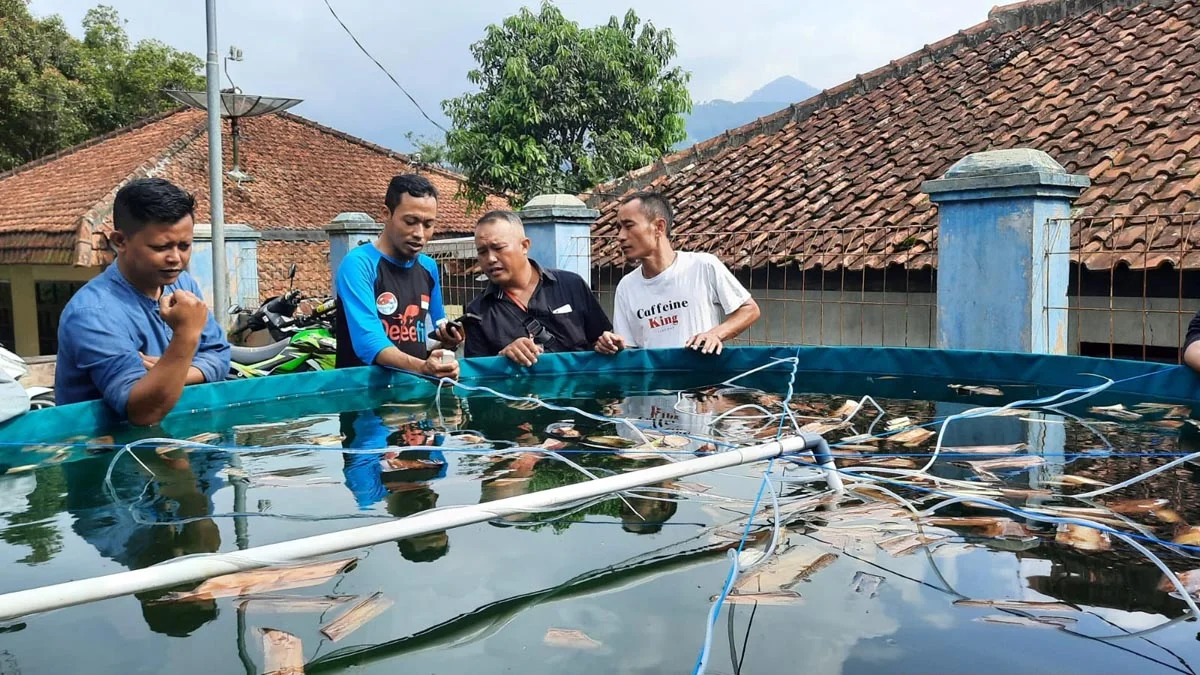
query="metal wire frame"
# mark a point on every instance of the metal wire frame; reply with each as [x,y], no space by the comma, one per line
[1134,283]
[872,286]
[461,278]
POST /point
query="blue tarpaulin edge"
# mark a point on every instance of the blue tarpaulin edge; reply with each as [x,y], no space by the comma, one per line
[582,372]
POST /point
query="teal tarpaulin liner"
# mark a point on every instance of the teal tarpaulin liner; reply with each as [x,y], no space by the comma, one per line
[879,371]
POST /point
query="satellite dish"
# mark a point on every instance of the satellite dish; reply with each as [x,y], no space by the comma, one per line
[234,106]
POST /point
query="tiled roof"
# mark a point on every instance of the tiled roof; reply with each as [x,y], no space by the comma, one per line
[56,210]
[1108,89]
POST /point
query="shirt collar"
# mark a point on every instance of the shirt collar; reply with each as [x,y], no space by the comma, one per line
[496,292]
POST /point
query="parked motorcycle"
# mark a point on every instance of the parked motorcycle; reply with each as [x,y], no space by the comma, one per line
[15,366]
[302,342]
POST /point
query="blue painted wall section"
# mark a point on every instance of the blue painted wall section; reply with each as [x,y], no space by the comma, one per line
[558,227]
[346,231]
[241,257]
[1002,258]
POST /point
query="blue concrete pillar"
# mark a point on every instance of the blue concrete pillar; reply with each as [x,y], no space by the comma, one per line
[241,257]
[1002,263]
[559,227]
[347,231]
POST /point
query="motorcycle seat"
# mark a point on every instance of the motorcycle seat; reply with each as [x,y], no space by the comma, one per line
[247,356]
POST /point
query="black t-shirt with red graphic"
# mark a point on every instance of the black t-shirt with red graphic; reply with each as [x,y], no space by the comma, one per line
[383,303]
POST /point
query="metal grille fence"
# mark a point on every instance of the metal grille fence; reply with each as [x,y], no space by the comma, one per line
[814,287]
[460,276]
[1134,283]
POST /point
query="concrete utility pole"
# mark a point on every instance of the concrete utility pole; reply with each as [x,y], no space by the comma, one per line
[216,191]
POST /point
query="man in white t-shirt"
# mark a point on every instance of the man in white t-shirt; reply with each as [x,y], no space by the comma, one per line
[673,299]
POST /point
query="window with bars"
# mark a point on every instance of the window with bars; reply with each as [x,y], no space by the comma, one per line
[52,297]
[8,336]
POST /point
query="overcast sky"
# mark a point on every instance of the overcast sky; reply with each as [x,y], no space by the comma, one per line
[295,48]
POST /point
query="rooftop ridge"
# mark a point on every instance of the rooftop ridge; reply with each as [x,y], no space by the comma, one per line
[374,147]
[46,159]
[1002,19]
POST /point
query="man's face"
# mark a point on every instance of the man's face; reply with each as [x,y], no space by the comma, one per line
[157,254]
[502,251]
[637,233]
[411,225]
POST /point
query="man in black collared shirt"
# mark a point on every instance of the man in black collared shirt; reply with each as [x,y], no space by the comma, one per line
[527,309]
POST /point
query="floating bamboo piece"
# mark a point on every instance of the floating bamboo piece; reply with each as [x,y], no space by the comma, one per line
[284,654]
[262,581]
[356,617]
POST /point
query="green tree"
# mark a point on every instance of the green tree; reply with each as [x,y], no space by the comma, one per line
[57,90]
[430,151]
[561,108]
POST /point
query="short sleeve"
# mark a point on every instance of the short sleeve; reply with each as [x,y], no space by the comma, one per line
[108,355]
[727,291]
[355,287]
[623,324]
[1193,331]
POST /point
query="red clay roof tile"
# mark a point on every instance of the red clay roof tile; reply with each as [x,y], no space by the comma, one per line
[1109,94]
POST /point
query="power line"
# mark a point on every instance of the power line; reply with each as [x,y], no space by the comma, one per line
[385,70]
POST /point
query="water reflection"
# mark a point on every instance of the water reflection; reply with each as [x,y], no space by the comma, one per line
[130,532]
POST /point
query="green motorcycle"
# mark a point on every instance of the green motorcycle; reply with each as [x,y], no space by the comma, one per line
[302,342]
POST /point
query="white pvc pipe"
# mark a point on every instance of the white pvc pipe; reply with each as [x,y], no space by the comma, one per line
[22,603]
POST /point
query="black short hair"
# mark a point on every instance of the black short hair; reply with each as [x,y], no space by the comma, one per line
[143,201]
[654,205]
[499,214]
[408,184]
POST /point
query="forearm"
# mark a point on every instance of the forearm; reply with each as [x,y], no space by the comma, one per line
[741,319]
[394,358]
[153,396]
[1191,356]
[194,376]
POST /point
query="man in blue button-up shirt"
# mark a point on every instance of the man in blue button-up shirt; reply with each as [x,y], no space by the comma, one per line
[139,332]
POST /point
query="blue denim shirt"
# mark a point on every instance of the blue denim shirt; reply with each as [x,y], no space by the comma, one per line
[102,329]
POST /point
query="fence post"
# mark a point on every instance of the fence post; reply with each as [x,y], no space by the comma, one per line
[559,227]
[241,259]
[1003,259]
[346,231]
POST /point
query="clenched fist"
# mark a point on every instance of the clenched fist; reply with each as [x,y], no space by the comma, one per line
[185,313]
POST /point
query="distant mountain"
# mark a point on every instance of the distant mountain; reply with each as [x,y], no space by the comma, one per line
[715,117]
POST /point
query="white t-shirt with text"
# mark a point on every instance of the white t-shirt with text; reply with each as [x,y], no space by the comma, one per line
[692,296]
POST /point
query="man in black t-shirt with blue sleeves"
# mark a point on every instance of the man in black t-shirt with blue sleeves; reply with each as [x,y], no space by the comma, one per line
[527,309]
[389,295]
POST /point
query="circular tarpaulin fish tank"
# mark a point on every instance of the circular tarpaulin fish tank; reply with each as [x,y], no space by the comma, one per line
[1000,512]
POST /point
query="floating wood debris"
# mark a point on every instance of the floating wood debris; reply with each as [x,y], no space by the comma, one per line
[293,604]
[1169,516]
[861,438]
[1029,621]
[847,410]
[824,427]
[898,423]
[1132,507]
[967,521]
[1020,605]
[1117,411]
[263,581]
[356,617]
[867,584]
[983,449]
[206,437]
[986,468]
[1188,536]
[770,598]
[973,389]
[887,463]
[1190,581]
[284,654]
[1083,538]
[1081,480]
[331,441]
[570,638]
[912,437]
[907,543]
